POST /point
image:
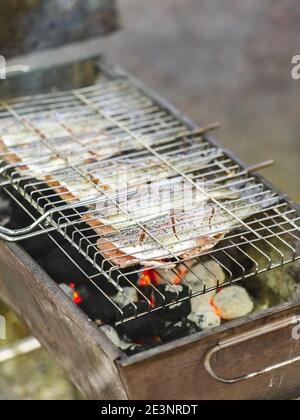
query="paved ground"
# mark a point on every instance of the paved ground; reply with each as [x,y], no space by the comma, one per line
[216,60]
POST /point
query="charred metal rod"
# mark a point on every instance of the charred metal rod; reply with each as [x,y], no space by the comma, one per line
[210,127]
[260,166]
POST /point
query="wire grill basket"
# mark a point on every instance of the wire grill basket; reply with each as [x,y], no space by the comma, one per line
[145,199]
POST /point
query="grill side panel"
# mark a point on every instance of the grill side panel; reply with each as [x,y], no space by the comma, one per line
[177,370]
[63,330]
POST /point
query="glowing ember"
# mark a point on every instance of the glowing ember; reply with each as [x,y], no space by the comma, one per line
[215,308]
[178,275]
[233,302]
[152,301]
[149,277]
[182,271]
[76,297]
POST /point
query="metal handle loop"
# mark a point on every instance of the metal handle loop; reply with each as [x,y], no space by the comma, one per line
[242,339]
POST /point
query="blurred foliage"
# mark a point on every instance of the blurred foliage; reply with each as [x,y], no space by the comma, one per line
[33,376]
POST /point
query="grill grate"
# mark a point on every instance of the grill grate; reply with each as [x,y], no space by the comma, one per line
[133,188]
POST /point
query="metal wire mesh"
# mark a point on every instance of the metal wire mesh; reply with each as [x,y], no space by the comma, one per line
[139,194]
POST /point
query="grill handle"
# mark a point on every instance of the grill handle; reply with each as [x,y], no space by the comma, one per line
[10,235]
[244,338]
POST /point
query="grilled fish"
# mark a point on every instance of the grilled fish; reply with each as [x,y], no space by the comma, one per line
[178,234]
[98,165]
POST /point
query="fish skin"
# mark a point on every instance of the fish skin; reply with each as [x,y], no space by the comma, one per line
[192,238]
[87,144]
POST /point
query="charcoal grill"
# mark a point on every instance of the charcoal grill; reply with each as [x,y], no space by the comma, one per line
[134,129]
[188,367]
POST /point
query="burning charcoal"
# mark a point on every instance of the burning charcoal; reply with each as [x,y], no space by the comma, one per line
[99,308]
[147,344]
[84,291]
[172,293]
[199,301]
[145,292]
[203,276]
[128,296]
[61,269]
[147,281]
[171,276]
[178,330]
[233,302]
[149,325]
[127,276]
[136,349]
[205,317]
[112,334]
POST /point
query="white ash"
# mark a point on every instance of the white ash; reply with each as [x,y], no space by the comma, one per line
[174,288]
[204,276]
[200,276]
[233,302]
[284,281]
[205,317]
[168,274]
[129,295]
[199,301]
[113,336]
[67,290]
[175,306]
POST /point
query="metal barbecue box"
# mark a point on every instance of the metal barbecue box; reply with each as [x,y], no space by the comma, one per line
[252,357]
